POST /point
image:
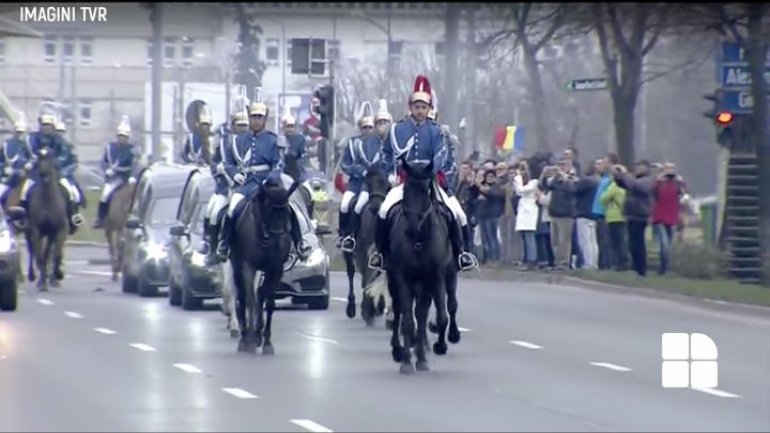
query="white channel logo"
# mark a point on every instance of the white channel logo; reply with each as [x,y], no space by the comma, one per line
[689,361]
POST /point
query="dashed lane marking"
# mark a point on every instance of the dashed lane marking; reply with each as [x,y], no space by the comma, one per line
[188,368]
[96,273]
[311,426]
[73,315]
[339,299]
[461,329]
[105,331]
[322,339]
[613,367]
[526,344]
[44,301]
[143,347]
[237,392]
[717,392]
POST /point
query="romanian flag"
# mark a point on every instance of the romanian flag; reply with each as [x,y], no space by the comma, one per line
[508,138]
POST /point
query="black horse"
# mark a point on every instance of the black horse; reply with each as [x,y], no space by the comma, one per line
[363,229]
[261,242]
[418,256]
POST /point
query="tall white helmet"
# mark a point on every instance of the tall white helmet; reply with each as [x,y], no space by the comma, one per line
[382,113]
[124,128]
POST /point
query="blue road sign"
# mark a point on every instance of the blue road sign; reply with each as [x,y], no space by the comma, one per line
[738,101]
[734,54]
[739,76]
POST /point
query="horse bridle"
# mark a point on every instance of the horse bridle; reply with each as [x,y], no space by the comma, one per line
[422,216]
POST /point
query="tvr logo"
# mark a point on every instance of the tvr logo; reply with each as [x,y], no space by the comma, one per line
[689,361]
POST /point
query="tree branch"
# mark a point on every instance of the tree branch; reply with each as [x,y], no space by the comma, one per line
[556,24]
[617,30]
[656,34]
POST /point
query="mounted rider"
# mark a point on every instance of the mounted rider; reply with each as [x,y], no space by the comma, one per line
[255,158]
[239,123]
[196,145]
[46,137]
[417,139]
[14,156]
[354,163]
[117,165]
[294,145]
[368,154]
[69,166]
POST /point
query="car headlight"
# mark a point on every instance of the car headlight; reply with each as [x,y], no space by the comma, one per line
[316,258]
[156,251]
[198,260]
[6,241]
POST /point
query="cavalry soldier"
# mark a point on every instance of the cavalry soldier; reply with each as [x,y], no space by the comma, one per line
[69,165]
[117,164]
[369,153]
[238,124]
[46,137]
[260,159]
[14,155]
[354,165]
[412,140]
[295,153]
[196,147]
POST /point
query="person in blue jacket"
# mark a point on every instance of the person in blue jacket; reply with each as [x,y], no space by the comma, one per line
[118,166]
[14,155]
[196,148]
[69,165]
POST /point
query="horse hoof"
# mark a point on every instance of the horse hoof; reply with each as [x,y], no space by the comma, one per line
[407,368]
[369,321]
[31,277]
[258,341]
[55,283]
[234,333]
[439,348]
[381,306]
[351,310]
[422,366]
[268,350]
[454,336]
[389,325]
[432,327]
[396,354]
[242,345]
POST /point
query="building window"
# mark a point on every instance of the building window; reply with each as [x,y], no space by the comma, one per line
[49,45]
[187,52]
[288,53]
[317,56]
[68,49]
[84,113]
[149,52]
[2,51]
[86,51]
[169,52]
[333,48]
[272,49]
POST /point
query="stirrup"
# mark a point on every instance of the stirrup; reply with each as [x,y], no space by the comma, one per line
[348,244]
[470,258]
[77,220]
[376,261]
[223,250]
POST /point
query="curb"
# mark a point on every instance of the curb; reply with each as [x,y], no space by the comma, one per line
[660,293]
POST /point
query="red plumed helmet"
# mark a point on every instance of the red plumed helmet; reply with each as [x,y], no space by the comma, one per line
[422,90]
[339,182]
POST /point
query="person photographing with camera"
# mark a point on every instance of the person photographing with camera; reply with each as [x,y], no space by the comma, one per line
[639,189]
[668,192]
[560,181]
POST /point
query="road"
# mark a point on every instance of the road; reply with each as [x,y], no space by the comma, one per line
[533,357]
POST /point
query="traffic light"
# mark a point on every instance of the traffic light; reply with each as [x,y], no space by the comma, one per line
[724,118]
[716,104]
[325,108]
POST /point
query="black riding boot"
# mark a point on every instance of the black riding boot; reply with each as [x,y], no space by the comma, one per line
[465,259]
[342,229]
[223,246]
[349,241]
[301,245]
[377,259]
[72,210]
[206,245]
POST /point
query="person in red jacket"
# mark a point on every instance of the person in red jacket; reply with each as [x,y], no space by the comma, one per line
[667,193]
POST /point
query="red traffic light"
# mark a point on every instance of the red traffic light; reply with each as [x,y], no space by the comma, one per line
[724,118]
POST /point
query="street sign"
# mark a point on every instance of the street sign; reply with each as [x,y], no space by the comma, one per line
[739,76]
[734,54]
[738,101]
[588,84]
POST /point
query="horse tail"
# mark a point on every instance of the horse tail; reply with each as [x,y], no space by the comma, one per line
[378,287]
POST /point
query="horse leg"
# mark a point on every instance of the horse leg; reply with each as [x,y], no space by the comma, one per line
[351,271]
[421,313]
[240,287]
[267,293]
[41,259]
[112,248]
[451,290]
[406,301]
[253,310]
[229,301]
[32,238]
[57,257]
[439,300]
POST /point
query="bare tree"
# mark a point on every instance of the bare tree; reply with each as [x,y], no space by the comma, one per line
[249,66]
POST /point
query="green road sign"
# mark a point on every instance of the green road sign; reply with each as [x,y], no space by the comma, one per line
[587,84]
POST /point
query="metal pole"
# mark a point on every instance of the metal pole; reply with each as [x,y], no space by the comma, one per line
[389,68]
[283,56]
[156,14]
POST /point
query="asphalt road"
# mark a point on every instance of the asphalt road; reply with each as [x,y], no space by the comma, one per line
[533,357]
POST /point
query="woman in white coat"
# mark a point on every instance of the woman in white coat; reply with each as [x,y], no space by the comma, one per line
[527,211]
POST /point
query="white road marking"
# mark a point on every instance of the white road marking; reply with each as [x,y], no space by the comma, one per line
[315,338]
[44,301]
[188,368]
[143,347]
[339,299]
[237,392]
[717,392]
[526,344]
[97,273]
[73,314]
[461,329]
[76,262]
[311,426]
[614,367]
[105,331]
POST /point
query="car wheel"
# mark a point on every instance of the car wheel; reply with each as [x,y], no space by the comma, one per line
[174,293]
[319,303]
[129,283]
[9,296]
[145,290]
[190,302]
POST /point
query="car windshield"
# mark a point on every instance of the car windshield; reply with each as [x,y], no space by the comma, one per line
[163,210]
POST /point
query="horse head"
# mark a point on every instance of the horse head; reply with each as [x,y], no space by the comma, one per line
[273,205]
[47,166]
[418,200]
[378,186]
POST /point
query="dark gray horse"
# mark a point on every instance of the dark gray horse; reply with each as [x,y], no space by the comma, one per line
[47,222]
[363,229]
[261,242]
[418,255]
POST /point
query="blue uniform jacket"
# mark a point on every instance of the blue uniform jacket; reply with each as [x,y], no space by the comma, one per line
[192,151]
[218,157]
[352,164]
[260,158]
[39,140]
[15,154]
[297,148]
[69,161]
[409,143]
[120,158]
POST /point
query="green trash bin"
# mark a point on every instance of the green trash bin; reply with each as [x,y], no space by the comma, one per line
[708,214]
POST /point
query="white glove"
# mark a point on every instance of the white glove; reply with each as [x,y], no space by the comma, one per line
[8,170]
[110,172]
[131,180]
[28,166]
[393,179]
[239,178]
[220,168]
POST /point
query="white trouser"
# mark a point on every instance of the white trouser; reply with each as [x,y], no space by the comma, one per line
[74,193]
[237,198]
[363,198]
[454,205]
[217,202]
[3,189]
[26,187]
[109,187]
[586,231]
[347,197]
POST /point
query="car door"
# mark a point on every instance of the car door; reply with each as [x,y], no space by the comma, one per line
[132,236]
[177,245]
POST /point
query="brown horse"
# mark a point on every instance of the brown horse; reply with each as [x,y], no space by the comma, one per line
[115,222]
